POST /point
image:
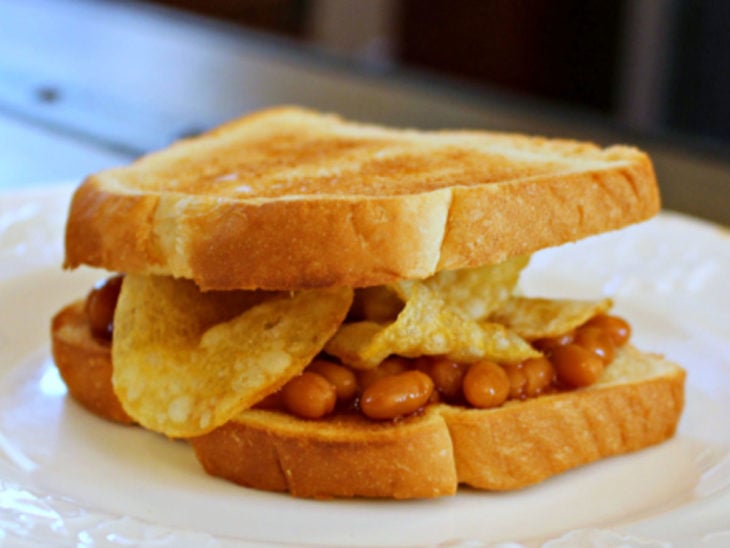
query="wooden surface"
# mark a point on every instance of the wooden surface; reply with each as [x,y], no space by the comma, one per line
[90,84]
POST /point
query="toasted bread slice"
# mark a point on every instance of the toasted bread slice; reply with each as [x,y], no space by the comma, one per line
[293,199]
[636,403]
[85,364]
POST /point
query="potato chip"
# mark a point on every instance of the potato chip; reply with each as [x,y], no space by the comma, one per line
[535,318]
[186,361]
[475,292]
[426,326]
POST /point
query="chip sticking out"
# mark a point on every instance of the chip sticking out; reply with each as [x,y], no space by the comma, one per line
[536,318]
[426,326]
[475,292]
[186,361]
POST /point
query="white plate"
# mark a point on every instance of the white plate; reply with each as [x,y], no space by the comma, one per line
[67,477]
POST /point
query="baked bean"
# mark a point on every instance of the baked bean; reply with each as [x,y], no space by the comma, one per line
[342,378]
[388,367]
[546,344]
[309,395]
[575,366]
[597,341]
[396,395]
[517,380]
[101,302]
[447,376]
[618,328]
[486,385]
[435,397]
[539,374]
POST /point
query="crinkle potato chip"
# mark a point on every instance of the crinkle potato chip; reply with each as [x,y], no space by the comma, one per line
[426,327]
[535,318]
[186,361]
[474,292]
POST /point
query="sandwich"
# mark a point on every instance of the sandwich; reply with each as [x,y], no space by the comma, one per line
[332,309]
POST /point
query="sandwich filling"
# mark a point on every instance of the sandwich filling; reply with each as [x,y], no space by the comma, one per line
[187,361]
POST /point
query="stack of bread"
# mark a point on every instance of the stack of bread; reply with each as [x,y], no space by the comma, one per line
[333,309]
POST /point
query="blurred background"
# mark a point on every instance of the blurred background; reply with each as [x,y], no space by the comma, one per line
[649,64]
[90,83]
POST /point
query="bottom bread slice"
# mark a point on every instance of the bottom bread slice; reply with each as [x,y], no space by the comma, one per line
[637,403]
[85,363]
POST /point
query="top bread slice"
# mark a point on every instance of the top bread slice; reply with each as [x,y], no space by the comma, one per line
[292,199]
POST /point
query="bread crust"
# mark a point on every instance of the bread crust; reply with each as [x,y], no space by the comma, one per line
[85,364]
[342,457]
[636,403]
[333,203]
[527,442]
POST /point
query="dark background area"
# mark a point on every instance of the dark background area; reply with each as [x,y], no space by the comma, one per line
[653,65]
[699,84]
[524,47]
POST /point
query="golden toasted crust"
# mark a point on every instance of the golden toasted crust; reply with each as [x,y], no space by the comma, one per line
[636,403]
[345,457]
[293,199]
[84,363]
